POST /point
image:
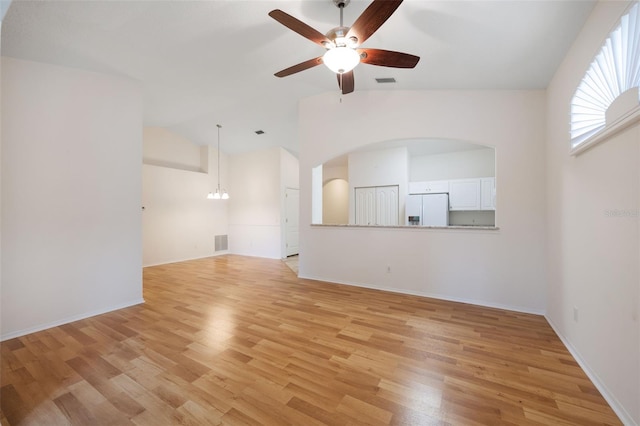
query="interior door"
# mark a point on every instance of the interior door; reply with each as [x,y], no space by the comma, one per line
[377,205]
[365,206]
[387,206]
[292,219]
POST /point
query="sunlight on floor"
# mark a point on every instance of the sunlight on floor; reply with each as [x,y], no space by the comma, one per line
[292,263]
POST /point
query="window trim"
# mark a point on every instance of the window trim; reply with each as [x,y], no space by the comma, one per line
[609,130]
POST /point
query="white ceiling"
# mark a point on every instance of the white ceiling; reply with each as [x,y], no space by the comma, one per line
[207,62]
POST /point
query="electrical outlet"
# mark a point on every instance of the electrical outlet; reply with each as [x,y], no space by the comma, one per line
[575,313]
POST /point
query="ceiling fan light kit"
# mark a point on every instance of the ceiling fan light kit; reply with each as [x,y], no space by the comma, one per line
[343,43]
[341,59]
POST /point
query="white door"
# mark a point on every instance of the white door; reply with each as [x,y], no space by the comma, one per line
[365,206]
[377,205]
[292,216]
[387,207]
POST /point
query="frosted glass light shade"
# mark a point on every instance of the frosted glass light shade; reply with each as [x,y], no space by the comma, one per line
[341,59]
[210,196]
[225,195]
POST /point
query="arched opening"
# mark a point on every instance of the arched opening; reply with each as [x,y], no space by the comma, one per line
[391,183]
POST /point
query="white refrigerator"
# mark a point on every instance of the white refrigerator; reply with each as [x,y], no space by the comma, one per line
[427,209]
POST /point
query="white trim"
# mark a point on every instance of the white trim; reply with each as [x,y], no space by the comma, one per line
[431,296]
[624,416]
[68,320]
[629,119]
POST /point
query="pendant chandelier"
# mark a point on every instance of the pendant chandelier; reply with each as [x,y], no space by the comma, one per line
[218,195]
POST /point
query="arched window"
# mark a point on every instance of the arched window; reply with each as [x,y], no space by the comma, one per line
[608,99]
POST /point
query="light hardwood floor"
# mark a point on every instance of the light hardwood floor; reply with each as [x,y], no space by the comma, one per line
[238,340]
[292,262]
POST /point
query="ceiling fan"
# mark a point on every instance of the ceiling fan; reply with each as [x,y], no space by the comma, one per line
[343,43]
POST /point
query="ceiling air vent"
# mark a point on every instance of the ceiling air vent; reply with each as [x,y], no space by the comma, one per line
[259,132]
[386,80]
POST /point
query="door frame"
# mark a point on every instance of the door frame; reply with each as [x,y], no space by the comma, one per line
[285,222]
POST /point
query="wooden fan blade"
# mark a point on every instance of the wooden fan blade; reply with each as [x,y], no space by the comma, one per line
[372,18]
[300,67]
[387,58]
[298,26]
[346,82]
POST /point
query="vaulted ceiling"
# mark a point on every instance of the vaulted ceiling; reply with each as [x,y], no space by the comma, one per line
[200,63]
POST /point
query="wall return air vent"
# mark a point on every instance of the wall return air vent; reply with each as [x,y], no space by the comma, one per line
[221,243]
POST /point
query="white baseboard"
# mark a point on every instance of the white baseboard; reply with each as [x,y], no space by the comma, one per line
[67,320]
[168,262]
[433,296]
[620,411]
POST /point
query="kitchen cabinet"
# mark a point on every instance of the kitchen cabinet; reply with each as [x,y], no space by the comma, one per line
[464,194]
[488,193]
[429,187]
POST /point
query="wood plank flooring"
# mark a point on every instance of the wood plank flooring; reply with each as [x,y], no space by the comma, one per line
[237,340]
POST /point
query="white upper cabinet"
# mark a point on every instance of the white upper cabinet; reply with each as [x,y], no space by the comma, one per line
[488,193]
[464,194]
[430,187]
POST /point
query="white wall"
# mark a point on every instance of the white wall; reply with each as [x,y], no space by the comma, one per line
[501,268]
[2,12]
[594,255]
[335,201]
[258,180]
[162,147]
[71,226]
[179,222]
[335,172]
[335,194]
[475,163]
[289,169]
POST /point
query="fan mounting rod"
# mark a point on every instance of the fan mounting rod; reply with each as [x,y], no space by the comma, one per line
[340,32]
[341,4]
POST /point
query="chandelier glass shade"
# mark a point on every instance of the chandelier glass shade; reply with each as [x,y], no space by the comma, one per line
[218,195]
[341,59]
